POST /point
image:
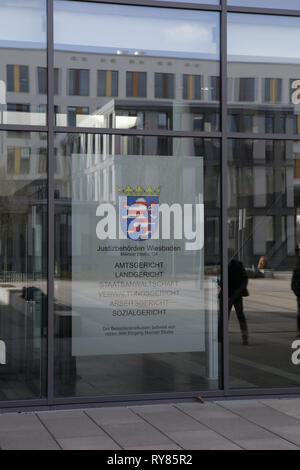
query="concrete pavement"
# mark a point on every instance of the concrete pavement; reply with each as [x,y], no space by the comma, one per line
[267,424]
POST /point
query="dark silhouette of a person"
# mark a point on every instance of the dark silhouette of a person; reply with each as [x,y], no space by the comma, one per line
[237,289]
[295,286]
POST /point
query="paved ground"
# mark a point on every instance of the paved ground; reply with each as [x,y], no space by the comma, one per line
[233,425]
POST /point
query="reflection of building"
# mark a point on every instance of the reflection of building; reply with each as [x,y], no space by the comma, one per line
[263,171]
[261,97]
[140,92]
[144,92]
[262,200]
[139,86]
[23,200]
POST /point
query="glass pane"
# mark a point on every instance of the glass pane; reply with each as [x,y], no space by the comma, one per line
[142,62]
[263,71]
[136,294]
[23,265]
[23,72]
[264,208]
[283,4]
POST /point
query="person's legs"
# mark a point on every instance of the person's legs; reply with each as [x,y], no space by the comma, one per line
[238,305]
[298,314]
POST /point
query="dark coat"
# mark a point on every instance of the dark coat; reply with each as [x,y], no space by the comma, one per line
[295,284]
[237,280]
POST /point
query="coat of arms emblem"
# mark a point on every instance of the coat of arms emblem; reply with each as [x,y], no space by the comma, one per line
[139,212]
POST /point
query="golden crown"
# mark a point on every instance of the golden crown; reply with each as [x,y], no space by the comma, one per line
[139,191]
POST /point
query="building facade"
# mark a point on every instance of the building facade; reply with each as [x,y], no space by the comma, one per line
[143,146]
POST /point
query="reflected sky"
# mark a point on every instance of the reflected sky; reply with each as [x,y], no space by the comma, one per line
[111,28]
[23,23]
[263,38]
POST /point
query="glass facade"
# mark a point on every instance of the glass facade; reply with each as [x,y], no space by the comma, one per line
[146,311]
[262,218]
[149,200]
[23,265]
[263,88]
[23,42]
[167,66]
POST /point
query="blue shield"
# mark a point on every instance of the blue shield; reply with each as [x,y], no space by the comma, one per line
[139,216]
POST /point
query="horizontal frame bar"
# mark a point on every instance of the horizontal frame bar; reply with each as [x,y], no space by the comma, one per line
[159,3]
[247,135]
[24,128]
[123,400]
[23,403]
[264,391]
[198,6]
[138,397]
[150,133]
[262,11]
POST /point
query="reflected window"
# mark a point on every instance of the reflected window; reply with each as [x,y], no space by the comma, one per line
[136,84]
[192,87]
[74,113]
[164,85]
[198,123]
[241,122]
[272,90]
[18,160]
[18,107]
[297,124]
[163,121]
[42,160]
[107,83]
[245,89]
[269,124]
[18,78]
[78,82]
[43,80]
[297,166]
[214,88]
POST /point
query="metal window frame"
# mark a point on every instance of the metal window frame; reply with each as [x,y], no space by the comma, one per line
[52,402]
[51,208]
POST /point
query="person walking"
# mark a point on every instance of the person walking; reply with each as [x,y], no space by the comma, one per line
[295,286]
[237,289]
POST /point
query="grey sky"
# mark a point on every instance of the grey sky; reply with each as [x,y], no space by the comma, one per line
[120,27]
[146,29]
[23,21]
[268,37]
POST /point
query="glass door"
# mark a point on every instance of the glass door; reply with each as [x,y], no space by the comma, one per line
[23,266]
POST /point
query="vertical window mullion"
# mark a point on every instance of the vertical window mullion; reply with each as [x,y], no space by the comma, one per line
[50,121]
[224,199]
